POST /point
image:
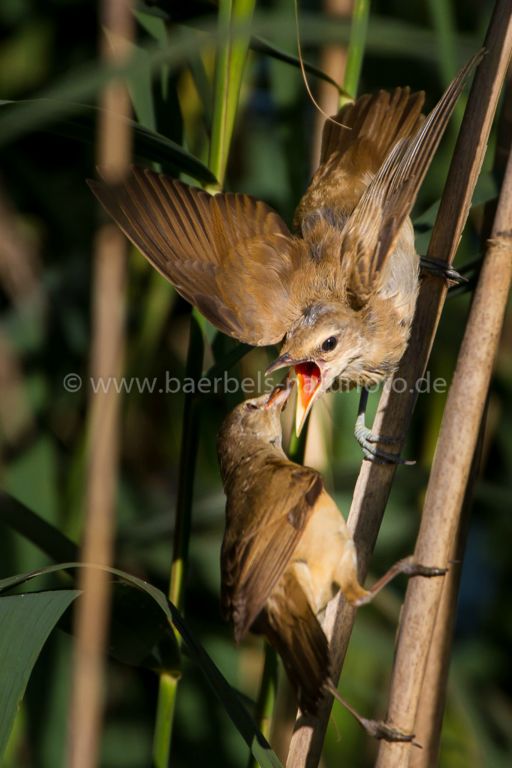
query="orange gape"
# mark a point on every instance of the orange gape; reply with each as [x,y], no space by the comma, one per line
[341,290]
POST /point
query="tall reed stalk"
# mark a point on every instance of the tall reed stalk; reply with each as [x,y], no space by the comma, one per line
[452,461]
[91,622]
[431,705]
[229,70]
[395,410]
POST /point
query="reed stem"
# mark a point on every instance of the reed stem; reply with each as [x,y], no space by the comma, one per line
[108,344]
[228,78]
[168,686]
[356,48]
[395,409]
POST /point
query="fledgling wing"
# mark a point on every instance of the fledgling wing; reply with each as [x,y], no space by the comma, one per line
[370,233]
[354,148]
[295,632]
[266,514]
[229,255]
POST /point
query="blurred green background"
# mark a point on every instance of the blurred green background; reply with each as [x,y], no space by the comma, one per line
[47,226]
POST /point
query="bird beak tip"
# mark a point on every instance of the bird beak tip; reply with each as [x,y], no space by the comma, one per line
[280,394]
[282,362]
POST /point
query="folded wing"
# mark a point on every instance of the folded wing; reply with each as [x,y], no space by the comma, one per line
[260,540]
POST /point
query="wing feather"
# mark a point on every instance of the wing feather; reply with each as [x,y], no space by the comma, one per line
[372,229]
[260,539]
[230,255]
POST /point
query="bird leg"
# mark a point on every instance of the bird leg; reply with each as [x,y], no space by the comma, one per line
[408,566]
[367,439]
[375,728]
[440,268]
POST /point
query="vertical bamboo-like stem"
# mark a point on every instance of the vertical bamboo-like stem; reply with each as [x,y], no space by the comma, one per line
[431,705]
[433,691]
[114,150]
[228,78]
[450,472]
[266,698]
[356,48]
[395,408]
[189,442]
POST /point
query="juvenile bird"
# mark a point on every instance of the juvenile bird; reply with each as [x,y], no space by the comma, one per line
[341,292]
[286,551]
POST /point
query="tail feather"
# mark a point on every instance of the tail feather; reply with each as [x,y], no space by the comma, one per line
[354,147]
[293,629]
[375,121]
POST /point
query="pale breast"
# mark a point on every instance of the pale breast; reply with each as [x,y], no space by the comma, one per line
[322,546]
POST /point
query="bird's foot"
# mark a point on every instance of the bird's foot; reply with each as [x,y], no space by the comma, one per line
[375,728]
[410,567]
[379,730]
[442,269]
[368,442]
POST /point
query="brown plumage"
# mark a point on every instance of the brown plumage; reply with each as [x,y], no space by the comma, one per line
[342,291]
[286,550]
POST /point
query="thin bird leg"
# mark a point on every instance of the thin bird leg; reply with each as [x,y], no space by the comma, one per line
[375,728]
[443,270]
[367,439]
[408,566]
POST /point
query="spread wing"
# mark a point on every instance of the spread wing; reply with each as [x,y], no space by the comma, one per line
[355,143]
[229,255]
[261,538]
[371,231]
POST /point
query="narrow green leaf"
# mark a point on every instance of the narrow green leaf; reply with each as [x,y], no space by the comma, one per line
[148,144]
[142,643]
[386,37]
[228,360]
[32,527]
[259,45]
[356,47]
[442,14]
[25,621]
[226,695]
[229,71]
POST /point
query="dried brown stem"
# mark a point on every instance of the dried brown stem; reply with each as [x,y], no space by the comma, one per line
[114,150]
[394,413]
[450,470]
[431,705]
[433,691]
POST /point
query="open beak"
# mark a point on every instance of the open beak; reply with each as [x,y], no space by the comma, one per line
[309,380]
[285,361]
[280,394]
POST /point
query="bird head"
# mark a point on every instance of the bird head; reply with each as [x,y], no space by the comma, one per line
[258,418]
[326,344]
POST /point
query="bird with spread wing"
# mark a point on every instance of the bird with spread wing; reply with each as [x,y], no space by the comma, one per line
[340,292]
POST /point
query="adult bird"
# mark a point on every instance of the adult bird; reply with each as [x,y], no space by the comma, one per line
[340,292]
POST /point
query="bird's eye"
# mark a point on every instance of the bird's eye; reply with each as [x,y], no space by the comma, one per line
[251,406]
[329,344]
